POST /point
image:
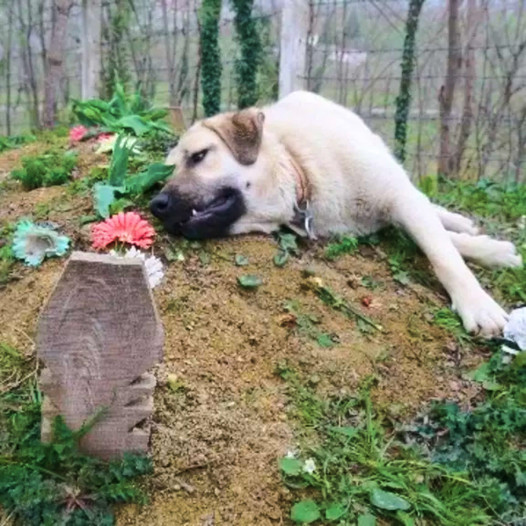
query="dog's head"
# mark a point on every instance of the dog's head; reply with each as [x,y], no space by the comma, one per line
[216,164]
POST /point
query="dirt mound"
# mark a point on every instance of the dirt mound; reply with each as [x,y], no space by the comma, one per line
[221,418]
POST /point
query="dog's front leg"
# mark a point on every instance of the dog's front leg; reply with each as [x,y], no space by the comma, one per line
[246,227]
[479,312]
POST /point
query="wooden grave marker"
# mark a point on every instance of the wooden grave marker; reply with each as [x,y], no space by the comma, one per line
[98,335]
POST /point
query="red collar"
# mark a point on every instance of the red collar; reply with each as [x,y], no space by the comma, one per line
[303,188]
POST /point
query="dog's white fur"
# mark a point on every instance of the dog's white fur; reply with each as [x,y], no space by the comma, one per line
[357,187]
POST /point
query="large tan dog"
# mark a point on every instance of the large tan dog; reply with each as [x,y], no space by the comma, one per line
[315,166]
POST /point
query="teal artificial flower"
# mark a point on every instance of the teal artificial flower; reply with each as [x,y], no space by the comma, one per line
[34,242]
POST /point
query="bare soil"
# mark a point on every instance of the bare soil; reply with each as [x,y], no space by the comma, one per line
[222,418]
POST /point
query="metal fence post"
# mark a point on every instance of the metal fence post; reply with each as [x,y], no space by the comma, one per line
[293,45]
[91,52]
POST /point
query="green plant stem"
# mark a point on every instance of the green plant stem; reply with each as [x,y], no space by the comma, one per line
[209,15]
[251,53]
[403,100]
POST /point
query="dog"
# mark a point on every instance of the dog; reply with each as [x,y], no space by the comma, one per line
[316,167]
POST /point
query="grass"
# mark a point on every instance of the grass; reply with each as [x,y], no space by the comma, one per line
[340,246]
[53,483]
[7,258]
[306,324]
[15,141]
[358,472]
[449,467]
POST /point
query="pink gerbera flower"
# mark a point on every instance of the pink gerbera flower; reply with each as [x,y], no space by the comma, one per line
[77,133]
[126,227]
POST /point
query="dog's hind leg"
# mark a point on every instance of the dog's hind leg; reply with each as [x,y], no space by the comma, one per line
[456,222]
[486,251]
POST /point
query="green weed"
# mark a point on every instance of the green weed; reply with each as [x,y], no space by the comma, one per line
[358,472]
[288,245]
[337,302]
[340,246]
[487,441]
[7,258]
[504,201]
[15,141]
[54,483]
[308,325]
[449,320]
[50,169]
[130,114]
[113,195]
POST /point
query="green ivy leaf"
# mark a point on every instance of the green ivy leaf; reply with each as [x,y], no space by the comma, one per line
[405,519]
[335,511]
[481,374]
[305,512]
[388,501]
[287,242]
[241,261]
[281,258]
[249,281]
[367,520]
[324,340]
[290,466]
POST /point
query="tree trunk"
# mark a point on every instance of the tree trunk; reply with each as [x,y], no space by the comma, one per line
[10,23]
[197,79]
[55,61]
[469,79]
[170,40]
[31,88]
[447,91]
[182,79]
[403,101]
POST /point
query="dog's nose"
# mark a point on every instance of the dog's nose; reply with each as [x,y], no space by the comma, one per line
[160,205]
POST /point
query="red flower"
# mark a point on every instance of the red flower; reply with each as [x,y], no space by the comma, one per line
[126,227]
[77,133]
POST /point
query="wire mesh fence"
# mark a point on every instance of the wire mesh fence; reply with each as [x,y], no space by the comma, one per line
[353,56]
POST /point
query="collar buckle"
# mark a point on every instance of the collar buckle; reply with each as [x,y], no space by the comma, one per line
[305,216]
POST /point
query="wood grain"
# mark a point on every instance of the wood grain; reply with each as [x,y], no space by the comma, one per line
[98,335]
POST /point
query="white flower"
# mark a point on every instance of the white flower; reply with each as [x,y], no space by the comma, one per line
[291,453]
[309,466]
[107,145]
[153,265]
[515,329]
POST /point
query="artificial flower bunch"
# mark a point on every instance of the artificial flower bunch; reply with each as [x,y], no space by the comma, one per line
[80,133]
[33,242]
[129,228]
[125,227]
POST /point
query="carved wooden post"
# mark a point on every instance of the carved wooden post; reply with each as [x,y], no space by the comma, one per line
[98,335]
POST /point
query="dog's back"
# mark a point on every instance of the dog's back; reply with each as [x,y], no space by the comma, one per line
[351,167]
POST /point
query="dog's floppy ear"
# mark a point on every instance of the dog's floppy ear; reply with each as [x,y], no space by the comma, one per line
[241,132]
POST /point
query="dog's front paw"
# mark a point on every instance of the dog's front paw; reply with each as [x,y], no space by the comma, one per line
[480,313]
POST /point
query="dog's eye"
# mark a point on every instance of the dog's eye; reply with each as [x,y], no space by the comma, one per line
[197,157]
